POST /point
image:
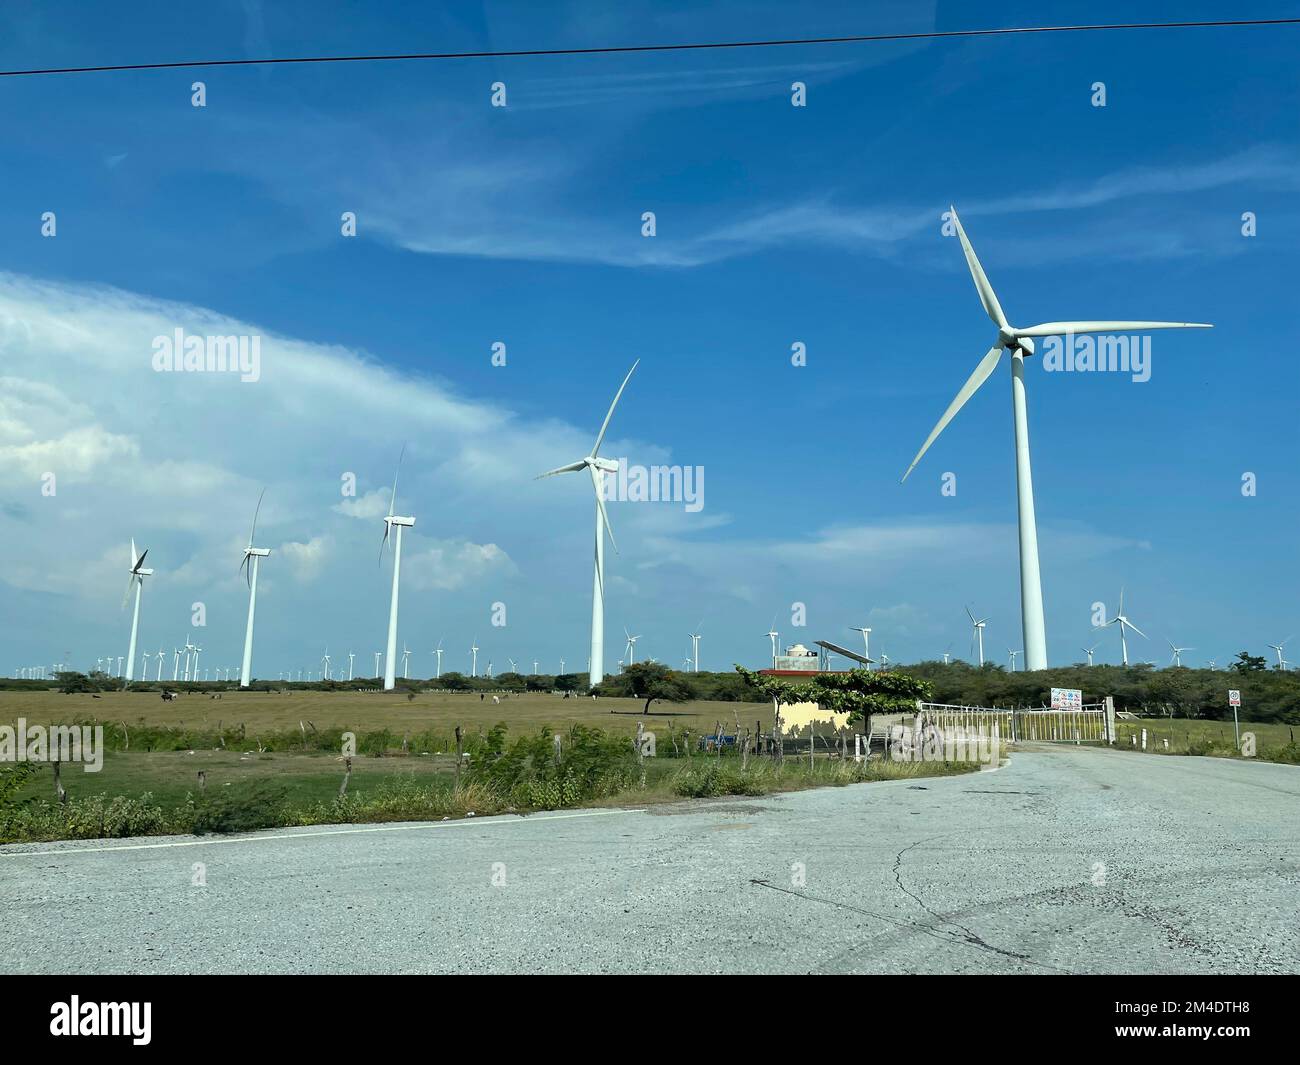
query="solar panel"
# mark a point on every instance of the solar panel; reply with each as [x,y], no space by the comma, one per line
[844,651]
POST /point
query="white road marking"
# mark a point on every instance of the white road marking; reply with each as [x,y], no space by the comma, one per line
[460,823]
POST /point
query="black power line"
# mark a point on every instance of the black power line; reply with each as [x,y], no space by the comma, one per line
[686,47]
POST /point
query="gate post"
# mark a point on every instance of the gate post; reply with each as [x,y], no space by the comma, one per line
[1110,720]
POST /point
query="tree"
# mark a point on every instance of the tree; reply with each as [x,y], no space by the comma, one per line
[569,682]
[1249,663]
[653,680]
[857,692]
[454,681]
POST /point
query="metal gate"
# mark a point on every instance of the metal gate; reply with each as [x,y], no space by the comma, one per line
[1089,724]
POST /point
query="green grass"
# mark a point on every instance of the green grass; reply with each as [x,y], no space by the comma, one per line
[1274,742]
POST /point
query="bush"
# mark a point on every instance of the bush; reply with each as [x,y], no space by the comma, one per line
[527,774]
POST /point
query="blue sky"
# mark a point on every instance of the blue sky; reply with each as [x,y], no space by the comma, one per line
[521,224]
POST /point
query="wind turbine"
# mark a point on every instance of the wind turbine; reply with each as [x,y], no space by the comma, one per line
[351,656]
[1124,624]
[176,665]
[866,641]
[695,646]
[561,665]
[512,665]
[630,650]
[1281,662]
[774,636]
[136,580]
[473,669]
[1019,342]
[1013,655]
[252,556]
[1177,657]
[391,523]
[946,655]
[978,634]
[598,467]
[1089,651]
[378,654]
[325,662]
[438,651]
[406,661]
[160,663]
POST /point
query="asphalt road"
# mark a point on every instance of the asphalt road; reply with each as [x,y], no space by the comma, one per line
[1067,860]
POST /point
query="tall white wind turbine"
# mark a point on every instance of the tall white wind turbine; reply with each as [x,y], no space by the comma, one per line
[473,668]
[1019,342]
[774,636]
[1176,657]
[1281,662]
[1089,652]
[598,467]
[978,633]
[695,647]
[136,580]
[630,650]
[438,651]
[390,523]
[866,641]
[252,556]
[1123,622]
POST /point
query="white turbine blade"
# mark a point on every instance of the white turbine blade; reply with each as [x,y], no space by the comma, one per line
[1136,629]
[986,366]
[252,532]
[601,435]
[570,468]
[1053,329]
[600,504]
[134,561]
[140,561]
[392,499]
[982,286]
[970,615]
[246,569]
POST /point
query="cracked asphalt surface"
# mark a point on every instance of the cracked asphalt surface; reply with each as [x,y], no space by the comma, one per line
[1064,860]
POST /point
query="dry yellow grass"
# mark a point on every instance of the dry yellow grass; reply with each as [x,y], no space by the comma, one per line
[365,711]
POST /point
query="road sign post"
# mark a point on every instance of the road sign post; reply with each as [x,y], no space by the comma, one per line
[1234,701]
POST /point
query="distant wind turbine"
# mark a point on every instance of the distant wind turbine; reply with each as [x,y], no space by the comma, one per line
[978,633]
[630,650]
[774,636]
[1124,624]
[1177,657]
[1281,662]
[598,467]
[695,646]
[252,556]
[866,641]
[1013,655]
[1019,342]
[1089,652]
[390,523]
[135,580]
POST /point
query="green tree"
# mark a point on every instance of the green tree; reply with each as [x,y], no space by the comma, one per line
[1249,663]
[857,692]
[653,680]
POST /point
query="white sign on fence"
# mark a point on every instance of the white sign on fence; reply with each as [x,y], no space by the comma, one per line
[1234,697]
[1067,699]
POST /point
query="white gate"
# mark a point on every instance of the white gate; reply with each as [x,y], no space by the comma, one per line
[1089,724]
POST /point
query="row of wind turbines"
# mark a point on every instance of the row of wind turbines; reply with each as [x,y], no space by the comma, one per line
[394,525]
[1016,340]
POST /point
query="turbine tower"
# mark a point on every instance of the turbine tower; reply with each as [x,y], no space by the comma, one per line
[630,650]
[774,636]
[1177,656]
[1019,342]
[438,651]
[866,641]
[598,467]
[978,634]
[136,579]
[1013,655]
[1089,651]
[1123,622]
[695,647]
[473,669]
[1281,662]
[252,556]
[391,523]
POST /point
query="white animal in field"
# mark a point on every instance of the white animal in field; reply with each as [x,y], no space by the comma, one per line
[496,699]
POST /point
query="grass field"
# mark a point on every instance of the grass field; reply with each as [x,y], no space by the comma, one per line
[433,711]
[1274,742]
